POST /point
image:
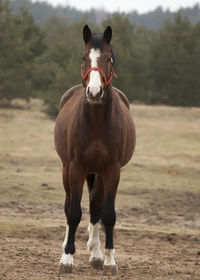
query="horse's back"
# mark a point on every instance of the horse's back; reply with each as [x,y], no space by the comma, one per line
[68,94]
[68,108]
[122,96]
[128,127]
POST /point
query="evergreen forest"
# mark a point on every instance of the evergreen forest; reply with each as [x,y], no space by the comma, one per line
[157,53]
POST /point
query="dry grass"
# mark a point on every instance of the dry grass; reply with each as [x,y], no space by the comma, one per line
[158,209]
[159,188]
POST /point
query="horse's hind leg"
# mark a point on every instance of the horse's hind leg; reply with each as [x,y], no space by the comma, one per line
[90,181]
[95,186]
[74,188]
[108,217]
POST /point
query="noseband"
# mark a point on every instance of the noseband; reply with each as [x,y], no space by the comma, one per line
[107,82]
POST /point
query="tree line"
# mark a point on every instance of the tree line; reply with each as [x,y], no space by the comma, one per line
[41,11]
[154,67]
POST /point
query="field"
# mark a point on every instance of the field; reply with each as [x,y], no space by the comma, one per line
[158,203]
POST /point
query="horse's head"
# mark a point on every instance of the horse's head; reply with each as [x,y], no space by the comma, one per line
[96,69]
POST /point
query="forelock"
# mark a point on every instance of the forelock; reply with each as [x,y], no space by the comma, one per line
[97,41]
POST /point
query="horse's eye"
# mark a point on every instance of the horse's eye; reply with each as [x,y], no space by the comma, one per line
[83,58]
[109,60]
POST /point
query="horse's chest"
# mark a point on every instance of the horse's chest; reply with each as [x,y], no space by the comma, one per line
[95,156]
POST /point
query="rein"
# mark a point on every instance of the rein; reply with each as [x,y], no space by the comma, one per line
[107,82]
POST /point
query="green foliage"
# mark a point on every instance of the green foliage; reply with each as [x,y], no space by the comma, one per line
[131,47]
[21,42]
[175,61]
[61,62]
[44,61]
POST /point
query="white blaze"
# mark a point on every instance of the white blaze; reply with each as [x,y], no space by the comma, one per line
[95,79]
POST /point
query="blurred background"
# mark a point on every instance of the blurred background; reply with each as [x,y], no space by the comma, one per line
[157,48]
[157,51]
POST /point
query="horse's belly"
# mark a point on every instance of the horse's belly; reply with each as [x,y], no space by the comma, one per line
[96,157]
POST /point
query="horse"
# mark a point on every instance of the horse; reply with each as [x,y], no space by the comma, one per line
[94,138]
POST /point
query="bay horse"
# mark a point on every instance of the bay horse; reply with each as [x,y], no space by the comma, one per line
[94,137]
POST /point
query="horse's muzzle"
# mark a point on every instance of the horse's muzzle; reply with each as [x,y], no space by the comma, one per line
[94,98]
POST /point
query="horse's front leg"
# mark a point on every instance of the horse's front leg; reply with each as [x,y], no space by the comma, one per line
[96,199]
[66,260]
[76,177]
[108,217]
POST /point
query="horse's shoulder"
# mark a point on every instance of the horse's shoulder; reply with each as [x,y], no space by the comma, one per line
[68,94]
[123,97]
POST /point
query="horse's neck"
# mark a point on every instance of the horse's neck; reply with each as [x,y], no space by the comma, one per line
[99,113]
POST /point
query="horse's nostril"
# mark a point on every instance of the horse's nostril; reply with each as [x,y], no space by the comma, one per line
[89,94]
[99,94]
[88,91]
[92,95]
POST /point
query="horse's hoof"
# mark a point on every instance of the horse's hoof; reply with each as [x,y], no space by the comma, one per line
[96,263]
[65,268]
[110,269]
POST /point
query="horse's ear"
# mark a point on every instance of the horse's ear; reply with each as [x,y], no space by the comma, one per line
[87,34]
[107,35]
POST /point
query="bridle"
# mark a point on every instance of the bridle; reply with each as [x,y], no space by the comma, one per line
[107,82]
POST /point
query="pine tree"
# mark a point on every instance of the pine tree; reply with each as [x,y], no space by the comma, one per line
[21,42]
[131,47]
[175,64]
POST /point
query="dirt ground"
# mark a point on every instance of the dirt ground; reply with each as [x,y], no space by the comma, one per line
[157,232]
